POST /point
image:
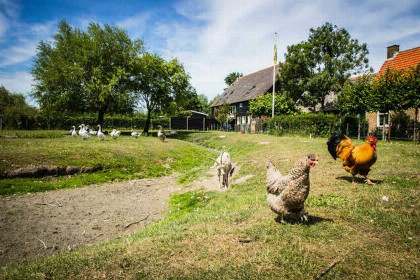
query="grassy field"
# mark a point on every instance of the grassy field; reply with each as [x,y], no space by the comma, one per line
[200,238]
[122,158]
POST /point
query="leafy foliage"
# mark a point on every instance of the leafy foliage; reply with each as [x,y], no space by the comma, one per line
[322,64]
[85,71]
[262,105]
[232,77]
[222,113]
[158,84]
[14,111]
[397,89]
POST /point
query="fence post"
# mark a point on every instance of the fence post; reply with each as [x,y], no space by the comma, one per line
[187,122]
[315,130]
[170,123]
[300,129]
[358,126]
[347,129]
[329,131]
[289,128]
[204,123]
[389,130]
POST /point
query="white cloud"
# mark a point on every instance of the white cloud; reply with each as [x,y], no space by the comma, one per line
[23,48]
[224,36]
[135,25]
[18,82]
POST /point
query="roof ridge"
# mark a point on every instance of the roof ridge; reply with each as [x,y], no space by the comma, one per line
[408,50]
[258,71]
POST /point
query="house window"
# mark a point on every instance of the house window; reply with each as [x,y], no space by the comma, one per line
[241,105]
[382,118]
[251,90]
[232,109]
[238,120]
[243,119]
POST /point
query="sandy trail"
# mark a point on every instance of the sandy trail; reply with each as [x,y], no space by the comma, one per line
[42,224]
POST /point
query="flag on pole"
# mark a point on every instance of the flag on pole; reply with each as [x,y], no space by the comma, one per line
[275,52]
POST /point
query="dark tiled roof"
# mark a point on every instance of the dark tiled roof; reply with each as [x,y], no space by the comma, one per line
[402,60]
[248,87]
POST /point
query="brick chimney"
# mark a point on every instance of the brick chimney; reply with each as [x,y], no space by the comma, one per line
[392,50]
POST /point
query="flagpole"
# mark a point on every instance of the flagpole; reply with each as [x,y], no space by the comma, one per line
[274,73]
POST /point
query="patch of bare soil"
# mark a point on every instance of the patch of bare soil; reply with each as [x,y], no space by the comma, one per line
[42,224]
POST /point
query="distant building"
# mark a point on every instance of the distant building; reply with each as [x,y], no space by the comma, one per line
[246,88]
[396,60]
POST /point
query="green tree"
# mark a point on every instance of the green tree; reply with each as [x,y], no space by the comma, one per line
[222,113]
[356,96]
[158,84]
[14,111]
[262,105]
[397,90]
[232,77]
[85,71]
[321,65]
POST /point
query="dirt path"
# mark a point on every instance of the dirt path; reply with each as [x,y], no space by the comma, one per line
[42,224]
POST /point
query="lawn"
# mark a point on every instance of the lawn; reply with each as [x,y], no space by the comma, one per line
[113,159]
[203,236]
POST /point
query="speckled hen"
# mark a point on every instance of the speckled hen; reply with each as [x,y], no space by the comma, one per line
[287,194]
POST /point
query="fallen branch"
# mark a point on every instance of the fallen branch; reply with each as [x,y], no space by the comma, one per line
[96,237]
[43,243]
[50,204]
[133,223]
[245,240]
[328,268]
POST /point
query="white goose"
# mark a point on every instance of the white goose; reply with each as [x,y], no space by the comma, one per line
[115,133]
[135,134]
[82,129]
[73,131]
[83,132]
[92,132]
[101,135]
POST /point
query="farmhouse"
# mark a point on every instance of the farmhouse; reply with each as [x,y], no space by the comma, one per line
[243,90]
[398,61]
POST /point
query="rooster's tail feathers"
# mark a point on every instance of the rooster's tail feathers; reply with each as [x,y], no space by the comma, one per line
[333,142]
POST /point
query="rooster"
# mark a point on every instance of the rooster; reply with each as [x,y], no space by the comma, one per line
[287,194]
[356,159]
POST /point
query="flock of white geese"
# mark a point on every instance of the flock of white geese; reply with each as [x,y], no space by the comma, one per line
[86,132]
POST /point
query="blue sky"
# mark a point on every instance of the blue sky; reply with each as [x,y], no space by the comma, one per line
[211,38]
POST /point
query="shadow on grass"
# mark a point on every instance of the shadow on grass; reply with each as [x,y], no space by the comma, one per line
[312,220]
[359,180]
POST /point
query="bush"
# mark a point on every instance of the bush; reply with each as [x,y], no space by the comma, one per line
[305,124]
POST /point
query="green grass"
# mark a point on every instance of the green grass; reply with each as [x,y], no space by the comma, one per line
[123,158]
[198,239]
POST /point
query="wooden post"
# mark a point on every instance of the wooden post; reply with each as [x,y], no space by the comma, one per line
[170,123]
[329,131]
[347,129]
[315,130]
[389,130]
[300,129]
[204,124]
[290,124]
[187,122]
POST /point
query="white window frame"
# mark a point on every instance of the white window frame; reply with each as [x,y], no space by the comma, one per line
[378,119]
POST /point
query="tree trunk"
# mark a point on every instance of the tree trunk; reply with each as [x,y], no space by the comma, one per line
[147,125]
[101,114]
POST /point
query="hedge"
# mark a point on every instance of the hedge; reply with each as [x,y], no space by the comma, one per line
[305,124]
